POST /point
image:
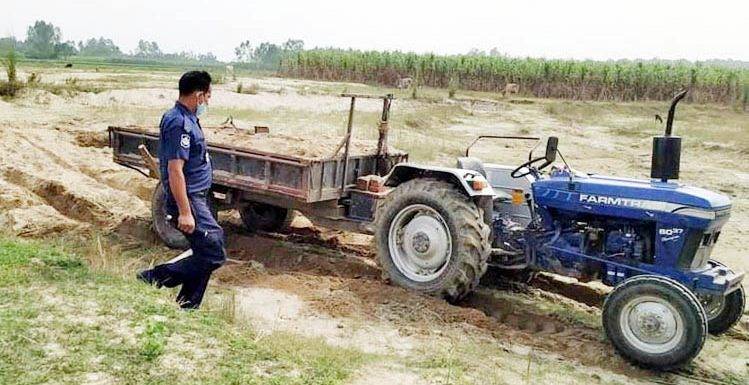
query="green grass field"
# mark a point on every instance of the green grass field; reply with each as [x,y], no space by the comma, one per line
[63,322]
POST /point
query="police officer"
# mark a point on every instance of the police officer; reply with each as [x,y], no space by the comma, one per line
[186,175]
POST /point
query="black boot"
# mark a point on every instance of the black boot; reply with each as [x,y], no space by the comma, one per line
[149,277]
[191,294]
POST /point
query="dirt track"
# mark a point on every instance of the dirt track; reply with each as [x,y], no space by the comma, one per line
[339,281]
[56,177]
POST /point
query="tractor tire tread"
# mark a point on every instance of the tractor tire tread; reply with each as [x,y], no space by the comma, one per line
[472,239]
[666,362]
[168,234]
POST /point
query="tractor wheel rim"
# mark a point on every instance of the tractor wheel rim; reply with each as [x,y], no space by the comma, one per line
[420,243]
[651,324]
[713,306]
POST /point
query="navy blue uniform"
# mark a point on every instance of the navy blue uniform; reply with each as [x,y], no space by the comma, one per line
[181,137]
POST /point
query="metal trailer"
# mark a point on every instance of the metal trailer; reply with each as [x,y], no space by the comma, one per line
[266,187]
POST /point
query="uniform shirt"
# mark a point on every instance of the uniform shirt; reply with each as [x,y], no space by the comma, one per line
[181,137]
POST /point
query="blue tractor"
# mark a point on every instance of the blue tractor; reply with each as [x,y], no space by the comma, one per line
[439,229]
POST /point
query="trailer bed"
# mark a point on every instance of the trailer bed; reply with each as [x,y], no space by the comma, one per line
[305,179]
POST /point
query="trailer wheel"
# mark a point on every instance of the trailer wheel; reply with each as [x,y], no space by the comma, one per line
[724,311]
[655,322]
[170,235]
[264,217]
[432,238]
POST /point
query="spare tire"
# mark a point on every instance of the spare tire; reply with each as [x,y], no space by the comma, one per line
[165,230]
[170,235]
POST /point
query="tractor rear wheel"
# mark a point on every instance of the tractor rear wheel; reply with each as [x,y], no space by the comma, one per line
[264,217]
[431,238]
[724,311]
[655,322]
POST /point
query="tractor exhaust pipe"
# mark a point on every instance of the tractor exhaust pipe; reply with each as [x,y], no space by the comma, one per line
[672,111]
[667,148]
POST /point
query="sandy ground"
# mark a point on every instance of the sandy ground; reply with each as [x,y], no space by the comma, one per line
[330,293]
[56,176]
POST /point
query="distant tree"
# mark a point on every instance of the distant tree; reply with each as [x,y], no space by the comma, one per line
[148,49]
[183,56]
[208,57]
[65,50]
[100,47]
[9,43]
[495,52]
[293,45]
[267,54]
[244,52]
[476,52]
[41,40]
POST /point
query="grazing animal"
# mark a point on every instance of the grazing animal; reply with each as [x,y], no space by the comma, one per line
[69,65]
[404,83]
[511,88]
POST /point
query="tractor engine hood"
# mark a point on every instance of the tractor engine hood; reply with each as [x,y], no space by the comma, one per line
[634,193]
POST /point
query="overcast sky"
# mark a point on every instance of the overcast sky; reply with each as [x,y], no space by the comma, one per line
[602,29]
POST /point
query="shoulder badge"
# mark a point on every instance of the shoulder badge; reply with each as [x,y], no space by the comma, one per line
[186,124]
[184,141]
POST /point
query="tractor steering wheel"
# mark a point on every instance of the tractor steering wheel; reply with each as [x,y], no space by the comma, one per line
[529,166]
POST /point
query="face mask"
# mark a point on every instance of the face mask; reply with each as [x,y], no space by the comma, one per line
[202,104]
[202,108]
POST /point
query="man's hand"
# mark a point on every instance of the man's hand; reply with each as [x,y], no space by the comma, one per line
[186,223]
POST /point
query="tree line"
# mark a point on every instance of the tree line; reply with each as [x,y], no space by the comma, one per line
[44,40]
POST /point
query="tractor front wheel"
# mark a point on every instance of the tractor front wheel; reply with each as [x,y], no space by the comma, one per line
[724,311]
[655,322]
[431,238]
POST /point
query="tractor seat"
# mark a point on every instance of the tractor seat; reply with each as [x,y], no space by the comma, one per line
[471,163]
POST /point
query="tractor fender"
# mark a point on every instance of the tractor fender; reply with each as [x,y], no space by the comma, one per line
[462,178]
